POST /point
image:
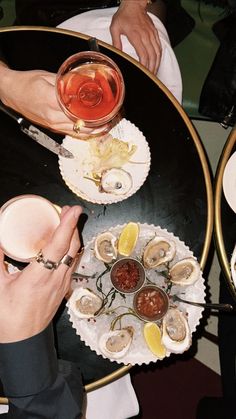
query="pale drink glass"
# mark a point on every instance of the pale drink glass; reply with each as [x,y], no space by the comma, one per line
[27,223]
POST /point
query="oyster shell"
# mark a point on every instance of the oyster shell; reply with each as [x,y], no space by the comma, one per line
[185,272]
[85,303]
[116,181]
[176,334]
[116,343]
[105,247]
[158,251]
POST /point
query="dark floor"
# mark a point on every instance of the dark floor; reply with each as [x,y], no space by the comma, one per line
[173,388]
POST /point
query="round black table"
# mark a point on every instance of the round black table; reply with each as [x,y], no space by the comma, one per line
[225,218]
[177,194]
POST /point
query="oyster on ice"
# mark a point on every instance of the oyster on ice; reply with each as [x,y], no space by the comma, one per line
[158,251]
[85,303]
[185,272]
[176,334]
[116,343]
[116,181]
[105,247]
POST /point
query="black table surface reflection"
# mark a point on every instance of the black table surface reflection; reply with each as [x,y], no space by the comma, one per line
[225,217]
[176,194]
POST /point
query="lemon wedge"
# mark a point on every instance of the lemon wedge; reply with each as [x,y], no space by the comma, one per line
[152,336]
[128,239]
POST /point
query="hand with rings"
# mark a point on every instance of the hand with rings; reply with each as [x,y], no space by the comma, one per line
[30,298]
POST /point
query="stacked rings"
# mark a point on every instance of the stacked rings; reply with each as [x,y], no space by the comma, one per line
[50,264]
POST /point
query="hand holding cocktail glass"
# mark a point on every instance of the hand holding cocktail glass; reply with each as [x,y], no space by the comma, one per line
[30,298]
[90,90]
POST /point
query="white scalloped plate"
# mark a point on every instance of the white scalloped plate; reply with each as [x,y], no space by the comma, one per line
[91,330]
[233,266]
[73,170]
[229,181]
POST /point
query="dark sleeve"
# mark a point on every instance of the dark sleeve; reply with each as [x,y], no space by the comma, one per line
[218,95]
[36,384]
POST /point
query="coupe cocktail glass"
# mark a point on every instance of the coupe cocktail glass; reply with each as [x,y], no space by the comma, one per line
[90,89]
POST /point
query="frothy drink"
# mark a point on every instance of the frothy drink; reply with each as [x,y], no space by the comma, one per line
[27,223]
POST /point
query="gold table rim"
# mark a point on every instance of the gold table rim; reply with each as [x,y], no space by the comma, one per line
[194,136]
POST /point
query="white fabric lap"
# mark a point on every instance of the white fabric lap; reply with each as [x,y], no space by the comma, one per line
[96,23]
[116,400]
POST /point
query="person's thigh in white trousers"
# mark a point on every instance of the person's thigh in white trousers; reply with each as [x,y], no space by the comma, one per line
[96,23]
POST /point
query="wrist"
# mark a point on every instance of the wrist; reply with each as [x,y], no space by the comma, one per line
[143,3]
[6,77]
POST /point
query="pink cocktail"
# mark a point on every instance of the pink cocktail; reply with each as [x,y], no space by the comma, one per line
[90,88]
[27,223]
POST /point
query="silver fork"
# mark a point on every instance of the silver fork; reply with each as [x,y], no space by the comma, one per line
[214,306]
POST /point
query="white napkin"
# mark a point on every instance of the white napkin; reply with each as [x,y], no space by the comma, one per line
[96,23]
[3,408]
[116,400]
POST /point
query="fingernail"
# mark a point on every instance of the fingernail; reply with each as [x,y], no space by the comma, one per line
[77,212]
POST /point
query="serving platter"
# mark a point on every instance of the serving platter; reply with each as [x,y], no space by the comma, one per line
[118,307]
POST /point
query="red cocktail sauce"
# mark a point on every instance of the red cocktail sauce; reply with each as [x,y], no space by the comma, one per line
[126,276]
[151,303]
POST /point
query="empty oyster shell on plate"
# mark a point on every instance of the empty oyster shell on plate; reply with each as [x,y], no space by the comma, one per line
[176,334]
[185,272]
[105,247]
[158,251]
[116,343]
[85,303]
[115,181]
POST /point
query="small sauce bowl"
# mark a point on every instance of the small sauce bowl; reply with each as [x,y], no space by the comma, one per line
[127,275]
[151,303]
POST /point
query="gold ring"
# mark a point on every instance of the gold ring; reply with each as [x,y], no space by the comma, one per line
[67,260]
[50,264]
[76,128]
[78,125]
[47,263]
